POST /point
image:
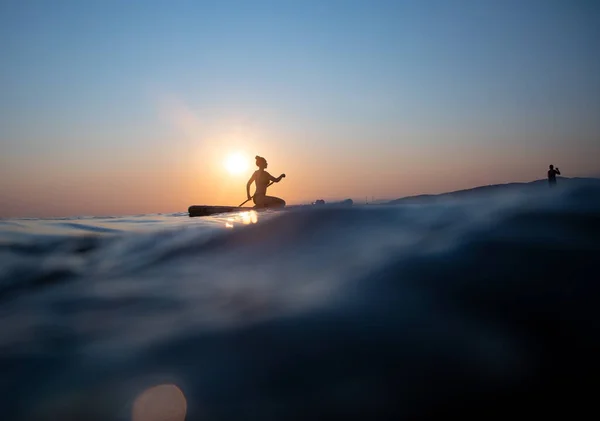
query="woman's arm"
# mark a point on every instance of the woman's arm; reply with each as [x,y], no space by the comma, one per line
[248,185]
[276,180]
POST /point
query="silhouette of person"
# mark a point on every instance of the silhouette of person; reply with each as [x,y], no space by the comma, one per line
[262,179]
[552,175]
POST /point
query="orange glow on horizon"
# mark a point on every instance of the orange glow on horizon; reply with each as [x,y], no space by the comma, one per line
[206,161]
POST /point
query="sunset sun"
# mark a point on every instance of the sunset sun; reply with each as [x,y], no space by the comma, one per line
[236,164]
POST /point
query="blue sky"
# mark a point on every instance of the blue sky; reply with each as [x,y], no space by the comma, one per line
[89,88]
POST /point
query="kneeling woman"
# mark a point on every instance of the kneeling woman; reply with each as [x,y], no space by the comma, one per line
[262,179]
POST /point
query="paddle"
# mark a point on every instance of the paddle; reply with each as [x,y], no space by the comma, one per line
[253,196]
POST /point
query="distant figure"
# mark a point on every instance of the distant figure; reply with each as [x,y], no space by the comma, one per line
[552,175]
[262,179]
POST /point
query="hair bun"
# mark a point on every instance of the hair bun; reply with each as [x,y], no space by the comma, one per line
[256,157]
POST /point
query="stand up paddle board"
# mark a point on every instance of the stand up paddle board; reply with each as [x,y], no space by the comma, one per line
[201,210]
[204,210]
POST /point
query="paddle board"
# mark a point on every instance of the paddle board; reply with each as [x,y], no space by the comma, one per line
[202,210]
[205,210]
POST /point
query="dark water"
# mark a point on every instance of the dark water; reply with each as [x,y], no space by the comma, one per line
[485,307]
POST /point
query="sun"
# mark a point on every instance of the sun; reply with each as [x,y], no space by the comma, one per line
[236,164]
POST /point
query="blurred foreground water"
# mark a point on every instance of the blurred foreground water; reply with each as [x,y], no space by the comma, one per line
[484,307]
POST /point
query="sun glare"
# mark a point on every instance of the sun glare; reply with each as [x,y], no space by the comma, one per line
[236,164]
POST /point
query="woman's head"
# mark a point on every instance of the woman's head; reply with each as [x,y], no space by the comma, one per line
[261,162]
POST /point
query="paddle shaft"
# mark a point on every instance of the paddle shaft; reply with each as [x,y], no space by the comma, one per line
[244,202]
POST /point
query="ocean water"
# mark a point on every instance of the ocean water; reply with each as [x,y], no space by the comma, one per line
[483,307]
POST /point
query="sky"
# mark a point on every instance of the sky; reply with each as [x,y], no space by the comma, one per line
[134,107]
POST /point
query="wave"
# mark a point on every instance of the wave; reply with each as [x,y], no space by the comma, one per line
[453,307]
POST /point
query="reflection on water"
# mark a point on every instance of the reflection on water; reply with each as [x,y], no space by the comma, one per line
[165,402]
[246,218]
